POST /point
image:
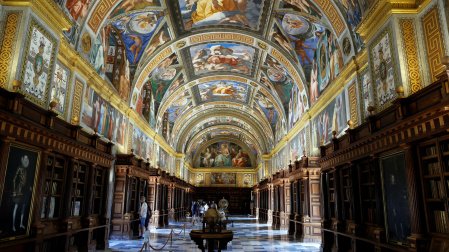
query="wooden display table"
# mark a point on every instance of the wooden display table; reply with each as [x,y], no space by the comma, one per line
[198,236]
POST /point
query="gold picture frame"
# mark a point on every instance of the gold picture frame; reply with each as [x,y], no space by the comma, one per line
[18,192]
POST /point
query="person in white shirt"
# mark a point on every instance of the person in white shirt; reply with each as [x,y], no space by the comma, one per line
[143,216]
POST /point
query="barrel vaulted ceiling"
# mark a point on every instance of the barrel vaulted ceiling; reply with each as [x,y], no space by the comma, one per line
[204,72]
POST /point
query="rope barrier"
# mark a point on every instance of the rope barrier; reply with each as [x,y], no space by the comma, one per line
[179,231]
[162,246]
[184,227]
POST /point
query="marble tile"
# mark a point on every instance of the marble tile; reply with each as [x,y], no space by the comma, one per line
[249,235]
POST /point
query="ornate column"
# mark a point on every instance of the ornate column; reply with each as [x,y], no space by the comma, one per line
[257,203]
[270,204]
[170,201]
[286,205]
[417,241]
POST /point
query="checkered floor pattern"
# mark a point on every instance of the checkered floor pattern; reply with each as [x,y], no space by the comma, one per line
[249,235]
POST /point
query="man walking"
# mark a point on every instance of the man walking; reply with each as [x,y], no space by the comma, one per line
[143,216]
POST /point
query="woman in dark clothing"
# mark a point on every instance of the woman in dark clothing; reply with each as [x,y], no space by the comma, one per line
[149,215]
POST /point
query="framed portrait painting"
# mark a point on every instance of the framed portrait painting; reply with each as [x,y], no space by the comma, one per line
[16,203]
[396,207]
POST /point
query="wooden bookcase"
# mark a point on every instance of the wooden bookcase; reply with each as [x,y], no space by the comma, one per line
[392,178]
[331,193]
[79,189]
[434,158]
[346,194]
[368,193]
[54,187]
[98,190]
[58,188]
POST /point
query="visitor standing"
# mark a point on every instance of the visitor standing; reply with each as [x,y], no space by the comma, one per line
[143,216]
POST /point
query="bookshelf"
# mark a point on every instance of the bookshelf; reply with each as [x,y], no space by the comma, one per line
[79,188]
[98,190]
[434,166]
[346,193]
[367,189]
[331,193]
[53,187]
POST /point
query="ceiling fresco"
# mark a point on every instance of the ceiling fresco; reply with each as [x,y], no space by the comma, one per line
[218,75]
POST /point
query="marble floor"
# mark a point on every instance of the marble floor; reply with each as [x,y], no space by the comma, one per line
[249,235]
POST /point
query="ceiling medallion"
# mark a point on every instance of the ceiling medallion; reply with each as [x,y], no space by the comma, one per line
[346,46]
[262,45]
[180,44]
[86,43]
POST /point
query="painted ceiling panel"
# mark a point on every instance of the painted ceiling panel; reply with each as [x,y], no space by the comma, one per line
[242,71]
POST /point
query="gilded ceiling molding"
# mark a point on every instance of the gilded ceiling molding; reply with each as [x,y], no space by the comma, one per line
[206,144]
[199,134]
[208,119]
[48,11]
[189,125]
[382,10]
[201,111]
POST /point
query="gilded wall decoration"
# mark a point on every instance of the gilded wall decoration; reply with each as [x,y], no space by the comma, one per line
[383,69]
[7,46]
[333,15]
[367,91]
[86,43]
[60,88]
[433,38]
[77,98]
[408,34]
[38,64]
[99,13]
[221,36]
[353,107]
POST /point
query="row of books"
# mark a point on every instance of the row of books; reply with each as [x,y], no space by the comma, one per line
[51,188]
[433,168]
[441,222]
[51,210]
[431,151]
[436,188]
